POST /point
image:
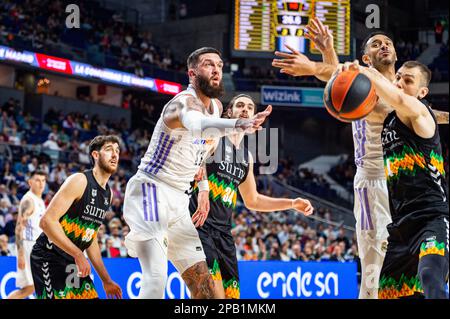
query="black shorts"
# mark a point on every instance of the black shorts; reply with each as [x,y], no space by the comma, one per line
[407,244]
[221,258]
[55,275]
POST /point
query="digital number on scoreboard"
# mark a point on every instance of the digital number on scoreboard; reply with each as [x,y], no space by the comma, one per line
[263,26]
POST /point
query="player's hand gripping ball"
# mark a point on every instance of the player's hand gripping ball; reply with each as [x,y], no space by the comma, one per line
[349,95]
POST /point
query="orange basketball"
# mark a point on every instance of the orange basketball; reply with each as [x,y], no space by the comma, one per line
[349,96]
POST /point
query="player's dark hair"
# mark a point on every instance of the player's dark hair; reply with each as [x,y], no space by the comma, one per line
[233,100]
[98,142]
[424,70]
[194,57]
[38,172]
[371,35]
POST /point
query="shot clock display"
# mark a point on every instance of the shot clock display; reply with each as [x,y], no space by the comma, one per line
[263,26]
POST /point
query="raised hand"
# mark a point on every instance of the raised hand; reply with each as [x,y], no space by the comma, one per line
[254,124]
[295,63]
[320,35]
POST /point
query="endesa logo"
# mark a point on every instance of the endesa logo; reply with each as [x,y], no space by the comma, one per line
[54,63]
[298,284]
[298,280]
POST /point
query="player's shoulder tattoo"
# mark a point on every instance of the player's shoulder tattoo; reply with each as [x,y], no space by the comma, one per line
[193,103]
[186,102]
[25,207]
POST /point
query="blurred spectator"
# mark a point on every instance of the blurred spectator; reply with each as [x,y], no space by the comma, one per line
[183,11]
[33,165]
[4,250]
[51,144]
[438,31]
[21,168]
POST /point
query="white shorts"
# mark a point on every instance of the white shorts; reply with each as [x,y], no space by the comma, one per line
[154,210]
[372,214]
[24,277]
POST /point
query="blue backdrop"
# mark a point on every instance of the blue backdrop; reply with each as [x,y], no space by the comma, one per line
[259,279]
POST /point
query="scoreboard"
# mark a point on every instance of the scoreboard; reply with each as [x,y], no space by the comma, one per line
[262,26]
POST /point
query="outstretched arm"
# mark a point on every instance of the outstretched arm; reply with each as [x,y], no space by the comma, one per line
[297,64]
[409,109]
[256,201]
[187,112]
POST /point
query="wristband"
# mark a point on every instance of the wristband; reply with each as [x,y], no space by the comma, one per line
[203,185]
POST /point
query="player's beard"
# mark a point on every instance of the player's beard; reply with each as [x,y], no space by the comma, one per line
[202,83]
[104,166]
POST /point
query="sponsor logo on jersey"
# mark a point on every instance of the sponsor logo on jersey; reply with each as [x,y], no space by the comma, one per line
[199,141]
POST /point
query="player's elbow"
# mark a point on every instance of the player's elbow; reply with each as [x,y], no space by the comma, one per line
[251,202]
[43,223]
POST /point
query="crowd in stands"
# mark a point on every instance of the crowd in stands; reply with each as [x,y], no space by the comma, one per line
[440,65]
[301,178]
[344,172]
[104,37]
[283,236]
[408,50]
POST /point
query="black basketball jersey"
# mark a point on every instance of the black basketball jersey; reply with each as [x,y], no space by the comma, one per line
[228,170]
[83,218]
[414,169]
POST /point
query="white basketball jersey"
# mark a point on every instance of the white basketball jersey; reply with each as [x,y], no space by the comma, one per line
[32,230]
[368,148]
[175,155]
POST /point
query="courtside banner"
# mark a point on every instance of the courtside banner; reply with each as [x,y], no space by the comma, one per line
[259,279]
[69,67]
[291,96]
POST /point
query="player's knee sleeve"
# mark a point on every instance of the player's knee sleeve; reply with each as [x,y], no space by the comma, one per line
[433,271]
[153,261]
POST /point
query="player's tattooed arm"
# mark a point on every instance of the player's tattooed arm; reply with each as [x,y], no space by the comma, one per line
[26,208]
[199,281]
[441,117]
[172,113]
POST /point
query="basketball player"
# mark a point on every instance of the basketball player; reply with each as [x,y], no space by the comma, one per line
[70,224]
[156,205]
[31,209]
[371,205]
[417,255]
[230,170]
